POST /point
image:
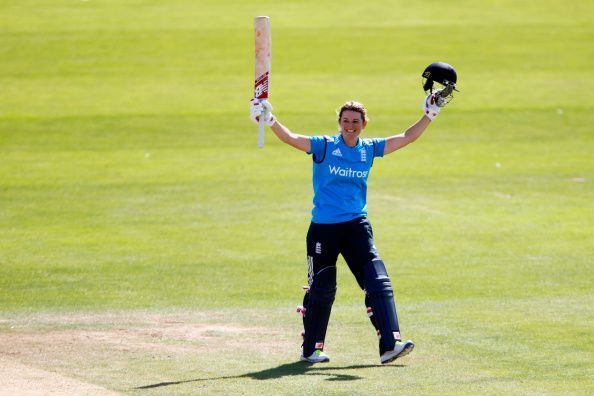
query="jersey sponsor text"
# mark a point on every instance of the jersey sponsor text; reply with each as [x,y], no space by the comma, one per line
[347,172]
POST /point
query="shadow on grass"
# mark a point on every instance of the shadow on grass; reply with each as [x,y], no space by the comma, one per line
[284,370]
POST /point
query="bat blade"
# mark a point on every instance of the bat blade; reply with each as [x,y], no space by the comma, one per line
[263,46]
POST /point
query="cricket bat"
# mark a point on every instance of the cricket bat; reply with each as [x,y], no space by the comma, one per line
[262,70]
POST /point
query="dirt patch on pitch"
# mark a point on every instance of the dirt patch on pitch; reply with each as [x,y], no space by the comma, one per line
[19,379]
[90,354]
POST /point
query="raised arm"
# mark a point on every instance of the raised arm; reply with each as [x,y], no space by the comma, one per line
[431,110]
[413,132]
[300,142]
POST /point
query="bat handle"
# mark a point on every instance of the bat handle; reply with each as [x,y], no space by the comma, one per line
[261,129]
[261,134]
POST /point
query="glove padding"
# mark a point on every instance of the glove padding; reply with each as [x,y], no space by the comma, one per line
[257,108]
[430,107]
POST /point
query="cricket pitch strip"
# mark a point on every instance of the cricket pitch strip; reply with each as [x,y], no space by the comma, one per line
[109,353]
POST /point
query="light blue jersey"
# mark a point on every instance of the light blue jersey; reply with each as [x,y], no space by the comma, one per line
[340,177]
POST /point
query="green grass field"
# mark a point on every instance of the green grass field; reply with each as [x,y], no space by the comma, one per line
[148,247]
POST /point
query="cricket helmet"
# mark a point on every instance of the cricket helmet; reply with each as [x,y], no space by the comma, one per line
[439,72]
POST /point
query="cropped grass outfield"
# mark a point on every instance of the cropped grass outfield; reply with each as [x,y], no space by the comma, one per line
[130,183]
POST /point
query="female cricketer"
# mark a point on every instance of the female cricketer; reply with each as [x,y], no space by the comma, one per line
[339,225]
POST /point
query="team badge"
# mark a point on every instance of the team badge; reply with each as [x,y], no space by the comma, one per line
[318,248]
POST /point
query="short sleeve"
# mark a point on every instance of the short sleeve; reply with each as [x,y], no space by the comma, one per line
[379,144]
[318,146]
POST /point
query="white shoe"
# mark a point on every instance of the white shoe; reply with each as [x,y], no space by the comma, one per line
[400,349]
[316,357]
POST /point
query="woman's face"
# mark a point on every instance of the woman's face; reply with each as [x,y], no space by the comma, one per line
[351,124]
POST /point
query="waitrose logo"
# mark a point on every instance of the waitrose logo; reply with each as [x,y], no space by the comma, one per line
[347,172]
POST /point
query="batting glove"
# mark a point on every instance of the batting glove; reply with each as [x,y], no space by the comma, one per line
[430,107]
[257,107]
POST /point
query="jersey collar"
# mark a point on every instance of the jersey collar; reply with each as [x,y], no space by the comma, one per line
[341,140]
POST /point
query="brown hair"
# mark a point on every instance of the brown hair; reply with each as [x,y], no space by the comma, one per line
[353,106]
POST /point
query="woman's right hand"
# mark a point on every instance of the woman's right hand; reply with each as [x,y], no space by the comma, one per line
[259,107]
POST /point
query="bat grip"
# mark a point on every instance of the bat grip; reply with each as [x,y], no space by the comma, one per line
[263,117]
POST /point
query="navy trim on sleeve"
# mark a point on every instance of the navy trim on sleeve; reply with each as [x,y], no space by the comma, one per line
[324,157]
